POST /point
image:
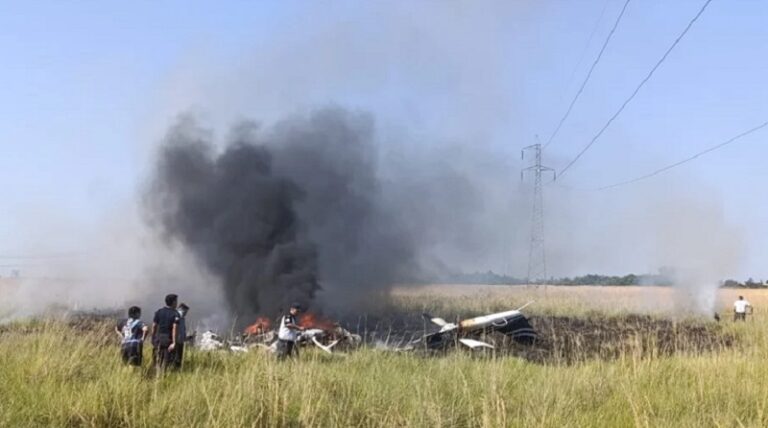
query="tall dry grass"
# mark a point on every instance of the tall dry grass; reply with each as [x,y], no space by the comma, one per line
[53,374]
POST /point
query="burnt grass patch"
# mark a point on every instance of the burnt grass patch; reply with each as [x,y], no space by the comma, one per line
[568,339]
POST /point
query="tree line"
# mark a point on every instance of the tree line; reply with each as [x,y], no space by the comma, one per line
[661,279]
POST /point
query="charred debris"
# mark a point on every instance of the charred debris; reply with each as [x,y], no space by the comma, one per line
[540,339]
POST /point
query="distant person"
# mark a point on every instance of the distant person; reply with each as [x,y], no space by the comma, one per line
[164,332]
[740,309]
[288,333]
[181,336]
[132,332]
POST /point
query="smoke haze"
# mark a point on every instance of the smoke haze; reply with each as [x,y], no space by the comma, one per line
[306,205]
[413,171]
[279,212]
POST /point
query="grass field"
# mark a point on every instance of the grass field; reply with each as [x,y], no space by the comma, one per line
[52,374]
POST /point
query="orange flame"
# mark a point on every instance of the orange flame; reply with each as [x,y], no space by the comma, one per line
[310,320]
[262,325]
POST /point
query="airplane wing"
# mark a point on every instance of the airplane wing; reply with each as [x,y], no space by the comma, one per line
[474,344]
[324,347]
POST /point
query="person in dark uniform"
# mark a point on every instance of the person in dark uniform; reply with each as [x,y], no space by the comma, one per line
[181,336]
[164,332]
[288,333]
[132,332]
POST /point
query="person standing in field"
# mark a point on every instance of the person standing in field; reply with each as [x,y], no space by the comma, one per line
[740,309]
[132,332]
[288,333]
[181,336]
[164,332]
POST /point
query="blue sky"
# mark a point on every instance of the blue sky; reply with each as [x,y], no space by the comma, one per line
[88,89]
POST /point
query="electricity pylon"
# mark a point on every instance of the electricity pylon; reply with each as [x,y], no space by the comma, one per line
[537,259]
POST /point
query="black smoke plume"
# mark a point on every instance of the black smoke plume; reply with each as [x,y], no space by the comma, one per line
[277,213]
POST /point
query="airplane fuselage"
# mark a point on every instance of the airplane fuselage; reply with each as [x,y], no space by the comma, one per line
[498,319]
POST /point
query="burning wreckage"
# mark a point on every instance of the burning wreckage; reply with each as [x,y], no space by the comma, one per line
[329,336]
[322,333]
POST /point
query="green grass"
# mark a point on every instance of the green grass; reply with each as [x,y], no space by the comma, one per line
[54,375]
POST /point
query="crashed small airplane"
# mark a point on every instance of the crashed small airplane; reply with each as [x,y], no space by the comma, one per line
[511,323]
[328,335]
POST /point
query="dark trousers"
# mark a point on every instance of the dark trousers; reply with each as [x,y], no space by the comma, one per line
[178,355]
[739,316]
[132,353]
[286,348]
[161,356]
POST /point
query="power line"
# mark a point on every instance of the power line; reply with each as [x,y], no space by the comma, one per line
[589,74]
[688,159]
[586,46]
[637,89]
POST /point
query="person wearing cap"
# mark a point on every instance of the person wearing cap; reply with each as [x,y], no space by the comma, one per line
[288,333]
[181,336]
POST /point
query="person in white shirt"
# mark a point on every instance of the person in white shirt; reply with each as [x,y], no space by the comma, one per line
[288,333]
[740,309]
